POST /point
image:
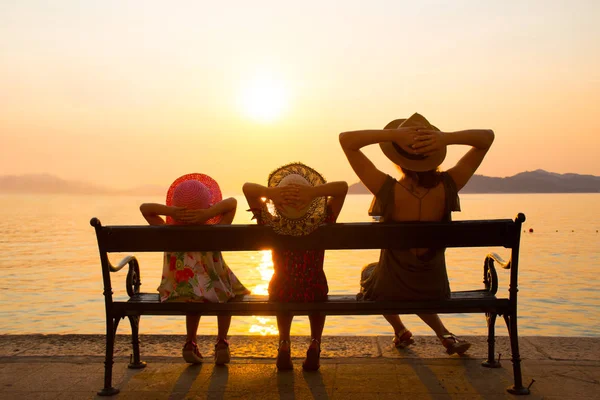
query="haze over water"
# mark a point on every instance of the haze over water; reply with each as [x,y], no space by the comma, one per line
[127,94]
[51,277]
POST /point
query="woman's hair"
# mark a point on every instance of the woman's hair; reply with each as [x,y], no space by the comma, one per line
[427,179]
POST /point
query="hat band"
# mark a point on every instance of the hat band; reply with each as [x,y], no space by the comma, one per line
[408,155]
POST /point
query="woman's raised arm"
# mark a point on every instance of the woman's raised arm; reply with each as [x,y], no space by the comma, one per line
[479,139]
[353,141]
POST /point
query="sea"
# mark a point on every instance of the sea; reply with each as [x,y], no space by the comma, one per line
[50,276]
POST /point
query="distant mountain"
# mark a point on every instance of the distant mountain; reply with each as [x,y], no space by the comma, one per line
[45,183]
[538,181]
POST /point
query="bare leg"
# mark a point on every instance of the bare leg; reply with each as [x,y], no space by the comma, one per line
[396,323]
[435,323]
[191,327]
[190,349]
[284,357]
[222,355]
[223,323]
[284,325]
[317,324]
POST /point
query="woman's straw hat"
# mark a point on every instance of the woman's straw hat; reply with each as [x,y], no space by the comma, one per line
[404,159]
[291,221]
[194,191]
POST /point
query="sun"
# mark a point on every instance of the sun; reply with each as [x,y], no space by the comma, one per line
[264,98]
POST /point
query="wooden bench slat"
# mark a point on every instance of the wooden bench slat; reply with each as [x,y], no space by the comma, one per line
[336,298]
[472,301]
[331,236]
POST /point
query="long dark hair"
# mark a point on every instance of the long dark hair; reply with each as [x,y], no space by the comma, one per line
[427,179]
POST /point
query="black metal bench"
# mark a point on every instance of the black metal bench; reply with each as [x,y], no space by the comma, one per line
[131,239]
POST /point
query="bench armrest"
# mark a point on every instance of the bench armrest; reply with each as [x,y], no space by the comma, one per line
[490,276]
[496,257]
[132,282]
[125,261]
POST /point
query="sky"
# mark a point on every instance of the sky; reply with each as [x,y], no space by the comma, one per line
[128,93]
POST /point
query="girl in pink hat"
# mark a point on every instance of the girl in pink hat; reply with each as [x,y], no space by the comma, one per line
[197,276]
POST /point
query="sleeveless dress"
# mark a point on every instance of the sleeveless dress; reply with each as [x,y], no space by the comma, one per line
[298,274]
[198,276]
[400,274]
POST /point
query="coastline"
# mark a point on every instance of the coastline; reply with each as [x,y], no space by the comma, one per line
[264,347]
[352,367]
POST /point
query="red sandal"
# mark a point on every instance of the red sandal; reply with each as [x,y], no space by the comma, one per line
[313,354]
[453,345]
[190,353]
[403,339]
[284,356]
[222,355]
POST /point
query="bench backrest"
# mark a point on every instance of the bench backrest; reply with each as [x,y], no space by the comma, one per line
[112,239]
[502,232]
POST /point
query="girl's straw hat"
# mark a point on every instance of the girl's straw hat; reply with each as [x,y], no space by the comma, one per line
[404,159]
[291,221]
[194,191]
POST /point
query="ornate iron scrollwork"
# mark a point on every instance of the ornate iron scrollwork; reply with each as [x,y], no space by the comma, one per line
[490,276]
[133,281]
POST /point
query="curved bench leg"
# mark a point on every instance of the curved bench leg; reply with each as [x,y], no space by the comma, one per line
[491,322]
[511,324]
[111,331]
[135,362]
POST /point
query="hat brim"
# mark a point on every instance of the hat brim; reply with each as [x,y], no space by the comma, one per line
[413,162]
[211,185]
[297,222]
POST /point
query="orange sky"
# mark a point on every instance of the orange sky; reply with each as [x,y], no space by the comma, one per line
[140,92]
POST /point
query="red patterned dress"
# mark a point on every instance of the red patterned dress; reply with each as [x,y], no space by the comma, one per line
[298,274]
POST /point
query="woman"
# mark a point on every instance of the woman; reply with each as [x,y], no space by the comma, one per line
[298,201]
[422,193]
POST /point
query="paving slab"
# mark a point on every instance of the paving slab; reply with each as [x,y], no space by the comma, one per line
[369,367]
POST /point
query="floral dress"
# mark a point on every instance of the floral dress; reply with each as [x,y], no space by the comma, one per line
[201,276]
[298,274]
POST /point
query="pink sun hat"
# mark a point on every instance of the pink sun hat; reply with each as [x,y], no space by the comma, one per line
[194,191]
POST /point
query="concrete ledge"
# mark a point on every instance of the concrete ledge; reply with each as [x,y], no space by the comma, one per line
[264,347]
[366,367]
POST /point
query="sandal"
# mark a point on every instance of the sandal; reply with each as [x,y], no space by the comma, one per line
[222,355]
[284,357]
[313,354]
[403,339]
[190,353]
[453,345]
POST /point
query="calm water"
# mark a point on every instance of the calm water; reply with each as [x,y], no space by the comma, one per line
[51,278]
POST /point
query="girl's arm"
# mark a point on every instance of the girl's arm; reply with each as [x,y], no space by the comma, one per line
[301,195]
[226,207]
[229,207]
[152,212]
[479,139]
[255,193]
[353,141]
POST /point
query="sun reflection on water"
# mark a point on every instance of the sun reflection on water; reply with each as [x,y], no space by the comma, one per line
[264,325]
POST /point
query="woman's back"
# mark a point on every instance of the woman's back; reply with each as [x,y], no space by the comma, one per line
[417,203]
[410,273]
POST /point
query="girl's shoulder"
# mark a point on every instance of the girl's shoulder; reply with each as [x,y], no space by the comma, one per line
[258,213]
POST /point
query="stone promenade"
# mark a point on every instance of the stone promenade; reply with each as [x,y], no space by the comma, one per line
[366,367]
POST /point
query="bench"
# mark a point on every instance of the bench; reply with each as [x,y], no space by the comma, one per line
[342,236]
